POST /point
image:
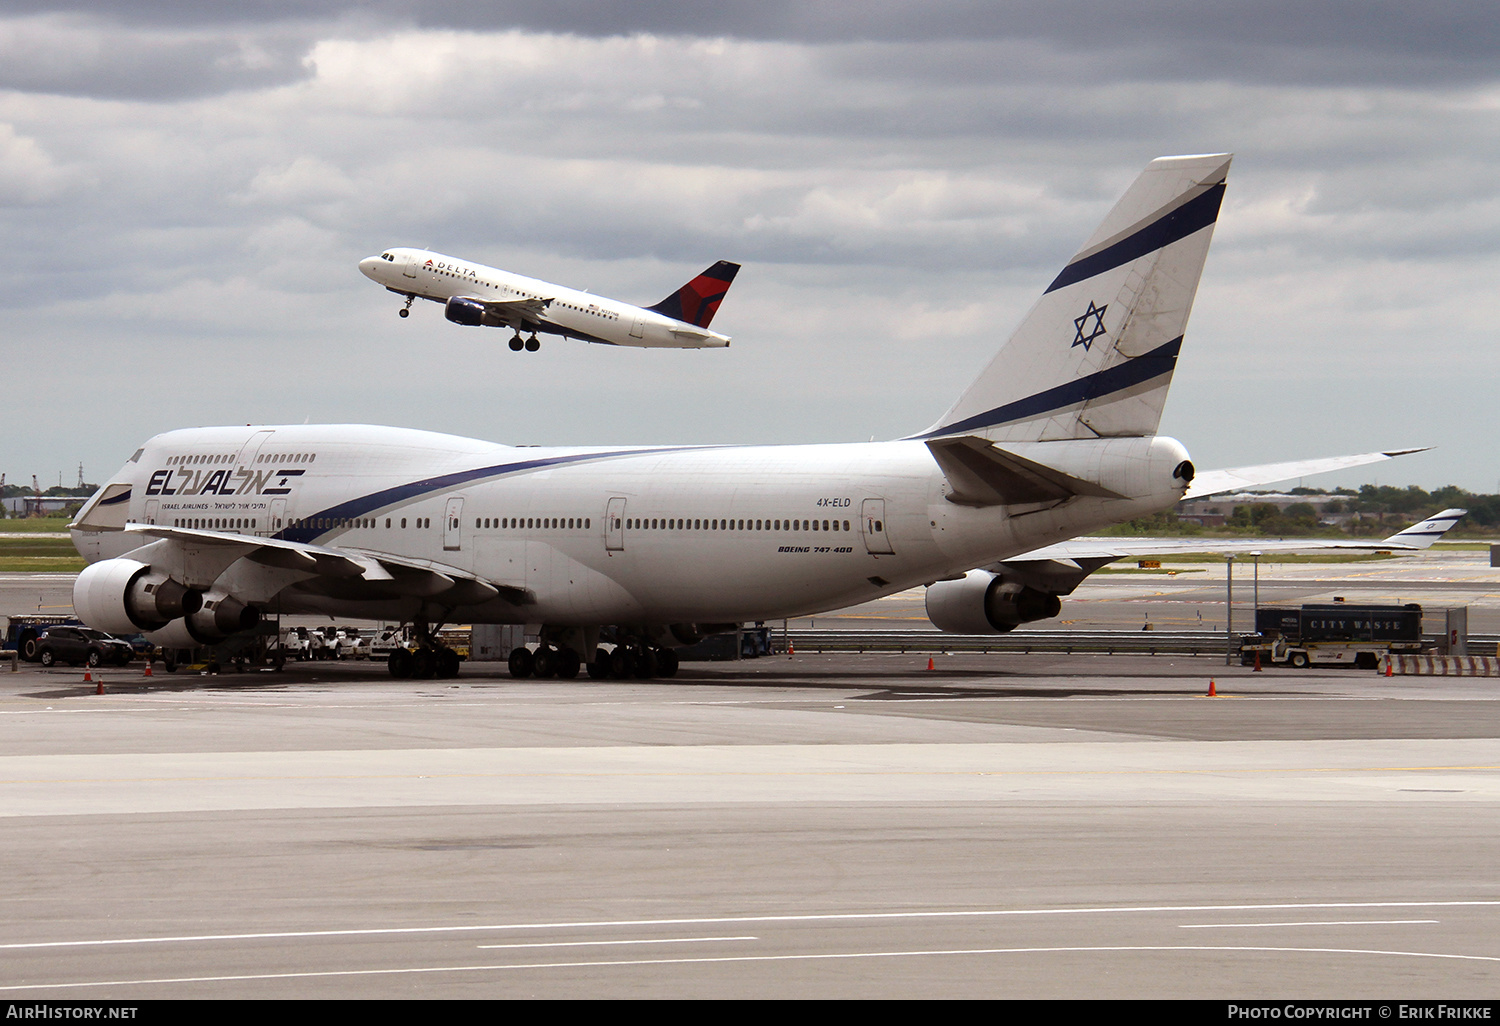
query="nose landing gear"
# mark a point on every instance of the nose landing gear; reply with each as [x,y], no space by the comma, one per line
[405,311]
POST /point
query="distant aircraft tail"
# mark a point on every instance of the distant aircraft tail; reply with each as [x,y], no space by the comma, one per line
[1095,355]
[1422,535]
[698,300]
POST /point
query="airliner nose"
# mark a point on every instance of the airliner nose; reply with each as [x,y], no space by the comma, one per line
[368,265]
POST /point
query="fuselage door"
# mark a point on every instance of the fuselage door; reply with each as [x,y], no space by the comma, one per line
[251,449]
[638,327]
[275,518]
[152,505]
[877,537]
[614,526]
[409,269]
[453,525]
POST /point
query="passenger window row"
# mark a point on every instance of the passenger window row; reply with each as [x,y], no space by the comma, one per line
[216,523]
[533,523]
[675,524]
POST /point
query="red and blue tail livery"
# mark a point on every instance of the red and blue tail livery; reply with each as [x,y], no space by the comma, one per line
[697,301]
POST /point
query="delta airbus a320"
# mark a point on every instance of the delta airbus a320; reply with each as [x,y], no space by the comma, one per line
[476,295]
[622,553]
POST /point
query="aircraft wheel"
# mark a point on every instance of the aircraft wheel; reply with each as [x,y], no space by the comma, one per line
[599,668]
[646,664]
[169,661]
[517,344]
[399,663]
[532,345]
[404,312]
[424,664]
[666,662]
[521,663]
[545,662]
[621,663]
[568,664]
[448,663]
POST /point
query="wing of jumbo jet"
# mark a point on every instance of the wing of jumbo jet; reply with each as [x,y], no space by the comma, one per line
[199,557]
[1104,550]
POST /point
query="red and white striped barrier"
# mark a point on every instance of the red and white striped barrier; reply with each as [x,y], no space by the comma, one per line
[1440,666]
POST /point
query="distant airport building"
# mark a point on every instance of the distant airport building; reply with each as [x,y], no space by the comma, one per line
[40,506]
[1216,510]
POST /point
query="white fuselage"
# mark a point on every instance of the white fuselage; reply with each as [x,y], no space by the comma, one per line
[417,272]
[612,535]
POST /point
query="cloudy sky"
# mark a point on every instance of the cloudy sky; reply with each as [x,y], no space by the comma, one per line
[185,191]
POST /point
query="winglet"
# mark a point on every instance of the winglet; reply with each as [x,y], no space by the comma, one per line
[1421,536]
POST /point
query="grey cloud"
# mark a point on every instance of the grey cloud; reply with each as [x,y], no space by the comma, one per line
[1182,32]
[73,56]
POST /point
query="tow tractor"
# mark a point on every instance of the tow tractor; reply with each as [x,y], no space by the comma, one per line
[1332,634]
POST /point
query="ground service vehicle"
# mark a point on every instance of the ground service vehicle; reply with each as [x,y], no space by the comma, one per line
[1332,634]
[78,645]
[22,631]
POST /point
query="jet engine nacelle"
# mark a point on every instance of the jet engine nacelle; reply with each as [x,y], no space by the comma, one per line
[986,603]
[464,311]
[122,596]
[220,616]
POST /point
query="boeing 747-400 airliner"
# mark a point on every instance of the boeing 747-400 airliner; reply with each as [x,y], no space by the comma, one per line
[621,553]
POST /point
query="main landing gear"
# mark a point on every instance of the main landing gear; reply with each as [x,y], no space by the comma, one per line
[634,659]
[405,311]
[430,659]
[531,344]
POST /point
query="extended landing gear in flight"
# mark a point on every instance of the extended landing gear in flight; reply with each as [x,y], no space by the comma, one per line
[405,311]
[531,344]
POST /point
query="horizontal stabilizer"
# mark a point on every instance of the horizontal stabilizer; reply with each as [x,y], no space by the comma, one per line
[980,474]
[1212,482]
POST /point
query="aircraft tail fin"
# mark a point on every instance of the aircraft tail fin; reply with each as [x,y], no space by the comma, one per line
[1428,531]
[1095,355]
[698,300]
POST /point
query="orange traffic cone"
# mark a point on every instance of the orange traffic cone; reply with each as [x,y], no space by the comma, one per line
[1388,661]
[1257,662]
[88,676]
[930,665]
[1212,691]
[148,670]
[99,690]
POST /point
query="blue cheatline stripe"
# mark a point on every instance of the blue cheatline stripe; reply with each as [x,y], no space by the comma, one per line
[364,504]
[1157,362]
[1196,213]
[122,497]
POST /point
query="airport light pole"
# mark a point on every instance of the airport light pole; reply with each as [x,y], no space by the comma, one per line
[1228,607]
[1256,556]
